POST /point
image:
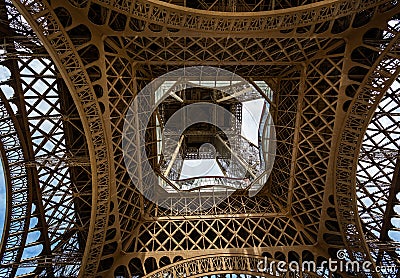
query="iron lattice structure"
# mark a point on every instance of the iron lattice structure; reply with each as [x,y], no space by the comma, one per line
[75,67]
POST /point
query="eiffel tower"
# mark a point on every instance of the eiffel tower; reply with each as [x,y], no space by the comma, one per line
[101,142]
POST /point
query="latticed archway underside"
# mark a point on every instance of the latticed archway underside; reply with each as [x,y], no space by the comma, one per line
[75,67]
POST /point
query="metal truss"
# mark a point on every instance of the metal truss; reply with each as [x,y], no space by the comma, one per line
[329,64]
[238,5]
[218,265]
[368,92]
[158,15]
[16,178]
[48,196]
[377,180]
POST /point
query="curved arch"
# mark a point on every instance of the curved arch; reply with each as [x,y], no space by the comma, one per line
[63,52]
[17,189]
[362,108]
[174,16]
[218,264]
[378,179]
[48,28]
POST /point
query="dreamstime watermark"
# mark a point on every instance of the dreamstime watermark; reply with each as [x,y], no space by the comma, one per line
[164,184]
[340,264]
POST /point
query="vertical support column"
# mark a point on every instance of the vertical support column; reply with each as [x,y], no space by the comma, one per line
[295,148]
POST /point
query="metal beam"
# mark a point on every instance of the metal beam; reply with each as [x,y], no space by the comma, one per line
[390,213]
[174,156]
[241,161]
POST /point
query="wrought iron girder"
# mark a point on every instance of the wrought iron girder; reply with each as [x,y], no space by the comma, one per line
[21,123]
[160,15]
[17,202]
[118,76]
[370,90]
[221,264]
[377,178]
[33,179]
[390,213]
[78,81]
[239,5]
[255,51]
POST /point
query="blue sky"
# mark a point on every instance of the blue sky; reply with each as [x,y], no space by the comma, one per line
[4,75]
[251,116]
[32,236]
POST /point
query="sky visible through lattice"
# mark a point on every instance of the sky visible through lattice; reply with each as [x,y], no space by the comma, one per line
[49,107]
[375,174]
[250,115]
[2,197]
[4,75]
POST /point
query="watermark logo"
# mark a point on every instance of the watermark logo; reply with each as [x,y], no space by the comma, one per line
[186,178]
[341,264]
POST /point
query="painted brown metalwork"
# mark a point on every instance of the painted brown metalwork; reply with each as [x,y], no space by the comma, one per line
[76,67]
